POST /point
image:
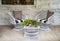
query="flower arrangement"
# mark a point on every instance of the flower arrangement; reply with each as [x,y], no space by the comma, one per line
[30,22]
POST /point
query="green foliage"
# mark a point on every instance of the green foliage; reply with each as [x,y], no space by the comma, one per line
[29,22]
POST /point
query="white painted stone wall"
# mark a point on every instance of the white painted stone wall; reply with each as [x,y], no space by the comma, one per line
[29,10]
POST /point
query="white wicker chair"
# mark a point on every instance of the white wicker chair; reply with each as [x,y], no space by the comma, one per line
[44,18]
[16,22]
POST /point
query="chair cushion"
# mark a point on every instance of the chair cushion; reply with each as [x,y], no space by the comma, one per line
[18,20]
[49,14]
[17,14]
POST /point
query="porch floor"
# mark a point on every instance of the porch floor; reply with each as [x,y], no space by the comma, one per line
[7,34]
